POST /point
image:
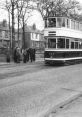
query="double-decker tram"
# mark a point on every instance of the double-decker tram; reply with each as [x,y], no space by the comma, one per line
[63,40]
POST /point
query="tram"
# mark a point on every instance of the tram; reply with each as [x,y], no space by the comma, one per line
[63,40]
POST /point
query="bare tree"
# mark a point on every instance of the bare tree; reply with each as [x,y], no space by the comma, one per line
[24,12]
[20,10]
[58,7]
[10,7]
[18,18]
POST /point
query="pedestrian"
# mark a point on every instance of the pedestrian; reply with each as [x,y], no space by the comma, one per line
[24,56]
[31,54]
[27,54]
[8,55]
[18,55]
[15,55]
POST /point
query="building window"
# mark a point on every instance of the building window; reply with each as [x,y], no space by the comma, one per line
[36,36]
[0,33]
[6,34]
[36,44]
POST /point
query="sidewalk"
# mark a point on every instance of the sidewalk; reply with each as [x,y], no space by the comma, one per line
[5,63]
[62,98]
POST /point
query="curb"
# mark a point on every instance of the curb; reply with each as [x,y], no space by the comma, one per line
[61,105]
[5,63]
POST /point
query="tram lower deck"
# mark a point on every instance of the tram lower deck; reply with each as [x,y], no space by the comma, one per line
[63,56]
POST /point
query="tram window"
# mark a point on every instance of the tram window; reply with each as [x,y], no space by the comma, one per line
[68,23]
[45,23]
[76,25]
[67,43]
[46,42]
[59,22]
[52,22]
[72,24]
[51,43]
[80,45]
[80,26]
[61,43]
[72,45]
[76,45]
[63,22]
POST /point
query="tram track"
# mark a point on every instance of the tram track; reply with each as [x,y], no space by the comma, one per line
[13,70]
[18,70]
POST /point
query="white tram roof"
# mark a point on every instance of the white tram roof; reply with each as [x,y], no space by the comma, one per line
[67,17]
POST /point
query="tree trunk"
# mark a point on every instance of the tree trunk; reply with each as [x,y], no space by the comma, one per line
[13,30]
[18,30]
[9,30]
[23,40]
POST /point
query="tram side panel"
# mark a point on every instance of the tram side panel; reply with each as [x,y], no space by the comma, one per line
[63,56]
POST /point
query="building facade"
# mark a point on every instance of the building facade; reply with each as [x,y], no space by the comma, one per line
[33,38]
[4,34]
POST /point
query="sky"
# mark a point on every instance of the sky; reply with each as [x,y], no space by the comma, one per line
[36,18]
[80,1]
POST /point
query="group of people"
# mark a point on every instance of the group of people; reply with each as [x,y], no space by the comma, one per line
[24,55]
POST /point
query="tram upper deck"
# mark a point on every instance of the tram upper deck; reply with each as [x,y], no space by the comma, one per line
[62,26]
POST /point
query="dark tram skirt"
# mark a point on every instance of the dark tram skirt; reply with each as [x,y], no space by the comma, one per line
[63,62]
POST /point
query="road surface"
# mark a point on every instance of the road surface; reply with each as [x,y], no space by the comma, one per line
[35,90]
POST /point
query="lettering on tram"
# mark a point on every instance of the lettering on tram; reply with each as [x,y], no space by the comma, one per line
[63,40]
